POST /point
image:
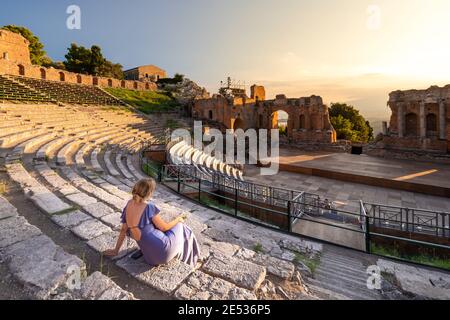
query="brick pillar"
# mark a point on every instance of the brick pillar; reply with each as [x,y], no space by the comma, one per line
[401,119]
[423,128]
[442,118]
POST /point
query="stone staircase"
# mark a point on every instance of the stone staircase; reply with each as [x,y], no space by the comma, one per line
[344,273]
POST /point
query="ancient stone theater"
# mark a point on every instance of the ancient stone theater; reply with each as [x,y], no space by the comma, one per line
[308,122]
[420,120]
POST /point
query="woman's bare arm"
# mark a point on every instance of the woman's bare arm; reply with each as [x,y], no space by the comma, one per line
[114,252]
[160,224]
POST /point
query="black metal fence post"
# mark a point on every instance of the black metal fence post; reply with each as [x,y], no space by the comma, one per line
[289,216]
[179,182]
[236,200]
[368,249]
[200,190]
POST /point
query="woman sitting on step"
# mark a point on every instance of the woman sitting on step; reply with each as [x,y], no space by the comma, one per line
[159,241]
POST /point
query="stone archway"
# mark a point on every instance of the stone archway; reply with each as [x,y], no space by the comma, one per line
[62,76]
[21,70]
[79,79]
[280,120]
[411,125]
[238,124]
[43,74]
[431,124]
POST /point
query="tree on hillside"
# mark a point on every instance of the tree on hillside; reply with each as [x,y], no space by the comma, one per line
[37,53]
[349,124]
[91,61]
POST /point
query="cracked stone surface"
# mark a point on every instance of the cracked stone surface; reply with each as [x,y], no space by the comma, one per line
[40,265]
[70,219]
[210,247]
[113,220]
[98,210]
[90,229]
[99,287]
[6,209]
[242,273]
[274,266]
[81,199]
[16,229]
[419,281]
[201,286]
[165,278]
[108,241]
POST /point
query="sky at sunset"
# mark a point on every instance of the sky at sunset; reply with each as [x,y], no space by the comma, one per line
[353,51]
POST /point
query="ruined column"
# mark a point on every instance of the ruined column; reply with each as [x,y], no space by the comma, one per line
[423,128]
[442,115]
[400,119]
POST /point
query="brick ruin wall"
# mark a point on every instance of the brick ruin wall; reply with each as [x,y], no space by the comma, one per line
[15,60]
[309,120]
[420,120]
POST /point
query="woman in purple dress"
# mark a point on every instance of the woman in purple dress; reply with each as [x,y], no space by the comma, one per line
[159,241]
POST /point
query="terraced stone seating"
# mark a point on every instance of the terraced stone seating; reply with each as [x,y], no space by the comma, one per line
[43,268]
[68,92]
[13,91]
[80,177]
[183,154]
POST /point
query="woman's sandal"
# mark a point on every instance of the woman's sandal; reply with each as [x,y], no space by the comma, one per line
[136,255]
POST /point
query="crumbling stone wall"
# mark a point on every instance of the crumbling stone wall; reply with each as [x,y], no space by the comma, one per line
[420,120]
[14,47]
[308,122]
[15,60]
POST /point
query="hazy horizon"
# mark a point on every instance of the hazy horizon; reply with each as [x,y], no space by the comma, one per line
[352,51]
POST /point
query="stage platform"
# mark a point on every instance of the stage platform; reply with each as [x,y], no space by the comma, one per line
[420,177]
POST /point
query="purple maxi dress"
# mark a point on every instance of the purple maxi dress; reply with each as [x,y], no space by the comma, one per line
[161,247]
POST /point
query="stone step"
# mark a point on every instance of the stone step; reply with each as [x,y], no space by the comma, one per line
[336,288]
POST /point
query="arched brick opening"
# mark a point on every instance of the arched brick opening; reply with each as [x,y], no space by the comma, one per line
[122,84]
[21,70]
[147,86]
[62,76]
[210,115]
[95,81]
[79,79]
[135,85]
[43,74]
[302,122]
[109,83]
[238,124]
[431,124]
[280,120]
[411,125]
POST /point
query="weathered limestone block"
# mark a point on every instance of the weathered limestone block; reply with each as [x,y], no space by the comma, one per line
[71,219]
[113,220]
[48,202]
[209,247]
[242,273]
[81,199]
[418,281]
[201,286]
[99,287]
[90,229]
[16,229]
[98,210]
[302,246]
[165,278]
[274,266]
[169,213]
[6,209]
[40,265]
[108,241]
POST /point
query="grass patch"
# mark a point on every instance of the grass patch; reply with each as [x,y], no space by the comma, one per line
[146,101]
[3,187]
[152,168]
[258,248]
[421,259]
[207,201]
[311,263]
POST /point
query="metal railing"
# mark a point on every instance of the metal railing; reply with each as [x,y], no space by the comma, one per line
[283,209]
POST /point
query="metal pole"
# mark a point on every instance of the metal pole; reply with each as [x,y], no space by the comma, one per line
[289,216]
[367,234]
[236,199]
[200,190]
